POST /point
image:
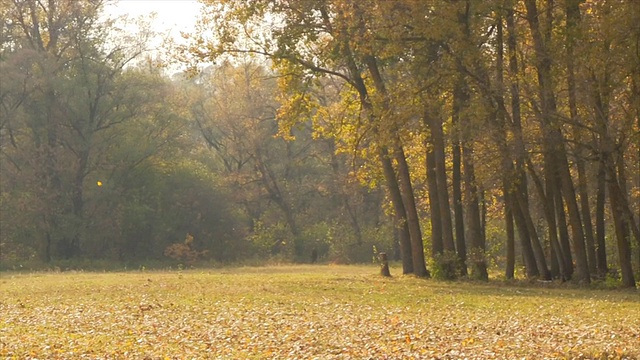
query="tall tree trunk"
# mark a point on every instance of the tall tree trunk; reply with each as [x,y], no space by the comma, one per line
[627,221]
[622,183]
[437,246]
[50,177]
[389,173]
[400,213]
[520,190]
[621,225]
[635,96]
[404,176]
[437,141]
[635,91]
[511,244]
[523,233]
[568,190]
[478,260]
[554,259]
[77,201]
[442,244]
[398,183]
[518,184]
[554,142]
[538,251]
[615,177]
[601,247]
[573,20]
[483,214]
[548,206]
[415,233]
[459,101]
[585,208]
[561,222]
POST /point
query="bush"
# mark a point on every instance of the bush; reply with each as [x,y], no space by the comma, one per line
[445,266]
[184,252]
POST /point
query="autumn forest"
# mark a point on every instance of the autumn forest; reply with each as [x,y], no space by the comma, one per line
[465,139]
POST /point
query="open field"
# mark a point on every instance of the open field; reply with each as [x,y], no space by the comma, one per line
[299,312]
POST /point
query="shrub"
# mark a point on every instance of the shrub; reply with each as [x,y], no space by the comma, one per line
[445,266]
[184,252]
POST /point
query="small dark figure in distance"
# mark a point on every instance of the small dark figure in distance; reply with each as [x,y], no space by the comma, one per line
[314,255]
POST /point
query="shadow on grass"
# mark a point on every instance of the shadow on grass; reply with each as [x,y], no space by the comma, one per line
[360,273]
[535,288]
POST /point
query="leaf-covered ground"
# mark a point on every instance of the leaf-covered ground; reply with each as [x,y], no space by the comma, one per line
[305,312]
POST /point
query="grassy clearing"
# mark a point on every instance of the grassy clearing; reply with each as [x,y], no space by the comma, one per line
[293,312]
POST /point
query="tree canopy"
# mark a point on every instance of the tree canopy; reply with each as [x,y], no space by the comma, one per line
[458,136]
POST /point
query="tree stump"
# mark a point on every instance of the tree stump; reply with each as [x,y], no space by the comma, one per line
[384,264]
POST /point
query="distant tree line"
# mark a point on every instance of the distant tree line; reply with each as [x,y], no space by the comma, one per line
[457,135]
[103,156]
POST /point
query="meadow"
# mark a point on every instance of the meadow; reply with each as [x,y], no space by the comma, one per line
[307,312]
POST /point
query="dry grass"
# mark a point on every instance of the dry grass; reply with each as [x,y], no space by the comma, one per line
[299,312]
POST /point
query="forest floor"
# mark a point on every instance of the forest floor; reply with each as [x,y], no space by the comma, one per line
[306,312]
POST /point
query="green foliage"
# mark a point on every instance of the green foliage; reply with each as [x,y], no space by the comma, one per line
[163,214]
[321,237]
[477,262]
[83,122]
[272,241]
[612,280]
[345,248]
[445,266]
[19,227]
[495,243]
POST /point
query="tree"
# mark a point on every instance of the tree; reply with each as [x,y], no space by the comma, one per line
[70,105]
[326,26]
